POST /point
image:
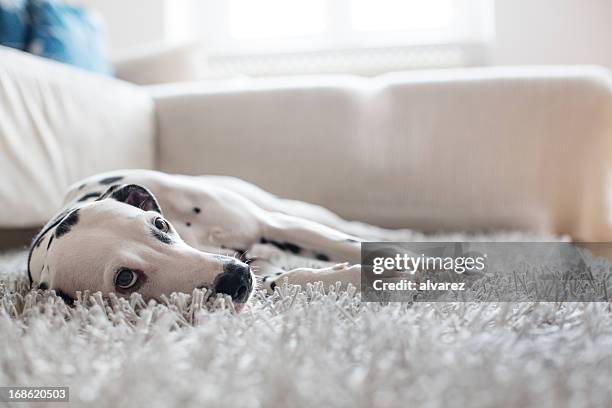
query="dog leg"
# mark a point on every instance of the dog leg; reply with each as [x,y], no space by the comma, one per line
[299,236]
[272,265]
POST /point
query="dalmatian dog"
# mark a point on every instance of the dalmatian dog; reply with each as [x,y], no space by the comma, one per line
[153,233]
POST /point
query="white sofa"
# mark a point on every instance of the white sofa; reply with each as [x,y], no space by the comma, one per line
[492,148]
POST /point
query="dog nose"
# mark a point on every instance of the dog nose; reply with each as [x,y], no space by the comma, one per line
[235,281]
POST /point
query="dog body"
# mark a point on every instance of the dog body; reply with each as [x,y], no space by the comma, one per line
[112,236]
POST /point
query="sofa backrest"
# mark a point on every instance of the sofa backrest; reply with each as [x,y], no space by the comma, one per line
[474,149]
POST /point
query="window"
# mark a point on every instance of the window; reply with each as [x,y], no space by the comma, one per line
[401,15]
[300,36]
[252,20]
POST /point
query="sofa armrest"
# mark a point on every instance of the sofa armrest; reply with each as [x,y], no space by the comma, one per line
[158,64]
[60,124]
[492,148]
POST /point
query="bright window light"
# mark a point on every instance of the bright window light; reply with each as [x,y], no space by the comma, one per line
[250,19]
[401,15]
[278,37]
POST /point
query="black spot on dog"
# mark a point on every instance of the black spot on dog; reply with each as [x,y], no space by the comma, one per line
[188,224]
[161,237]
[43,286]
[66,225]
[265,278]
[88,196]
[196,210]
[69,300]
[296,249]
[82,186]
[273,285]
[50,241]
[277,244]
[322,257]
[111,180]
[283,246]
[39,238]
[39,241]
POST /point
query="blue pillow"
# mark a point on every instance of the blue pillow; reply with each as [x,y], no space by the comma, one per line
[13,23]
[68,34]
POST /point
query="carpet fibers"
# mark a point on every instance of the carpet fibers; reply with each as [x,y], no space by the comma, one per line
[303,348]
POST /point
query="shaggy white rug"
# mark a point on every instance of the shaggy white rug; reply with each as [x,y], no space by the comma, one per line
[304,349]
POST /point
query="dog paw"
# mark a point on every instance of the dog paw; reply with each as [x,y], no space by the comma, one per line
[343,273]
[269,282]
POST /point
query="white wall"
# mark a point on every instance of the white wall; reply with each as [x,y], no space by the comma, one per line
[131,23]
[527,31]
[553,32]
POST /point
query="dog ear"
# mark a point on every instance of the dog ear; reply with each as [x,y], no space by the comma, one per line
[137,196]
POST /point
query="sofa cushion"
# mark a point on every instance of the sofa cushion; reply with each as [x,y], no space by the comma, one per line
[13,23]
[68,34]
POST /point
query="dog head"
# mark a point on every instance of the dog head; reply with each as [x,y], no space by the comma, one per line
[122,243]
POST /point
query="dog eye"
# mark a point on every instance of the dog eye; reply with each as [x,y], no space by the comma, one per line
[125,278]
[161,225]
